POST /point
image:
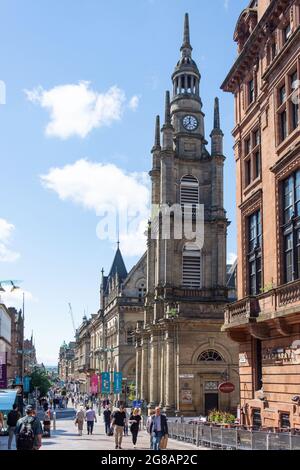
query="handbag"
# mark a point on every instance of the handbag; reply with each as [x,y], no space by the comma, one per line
[164,442]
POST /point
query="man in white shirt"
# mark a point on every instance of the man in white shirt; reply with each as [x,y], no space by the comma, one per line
[90,417]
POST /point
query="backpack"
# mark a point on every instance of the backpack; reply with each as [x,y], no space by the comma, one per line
[26,435]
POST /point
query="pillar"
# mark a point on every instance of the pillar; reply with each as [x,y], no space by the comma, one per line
[138,358]
[144,370]
[170,373]
[154,370]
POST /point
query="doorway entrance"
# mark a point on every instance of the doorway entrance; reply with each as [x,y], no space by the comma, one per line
[211,402]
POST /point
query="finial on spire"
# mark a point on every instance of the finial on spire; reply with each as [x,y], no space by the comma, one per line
[167,109]
[217,114]
[186,34]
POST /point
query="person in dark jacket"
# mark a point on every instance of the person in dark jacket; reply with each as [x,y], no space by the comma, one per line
[107,419]
[158,428]
[12,418]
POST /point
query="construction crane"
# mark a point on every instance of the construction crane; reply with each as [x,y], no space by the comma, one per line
[72,318]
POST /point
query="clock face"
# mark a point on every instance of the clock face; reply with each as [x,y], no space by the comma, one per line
[190,123]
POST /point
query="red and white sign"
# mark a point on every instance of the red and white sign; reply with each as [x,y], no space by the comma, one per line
[226,387]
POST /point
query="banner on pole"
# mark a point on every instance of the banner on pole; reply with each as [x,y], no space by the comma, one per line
[94,384]
[118,382]
[26,384]
[105,382]
[3,371]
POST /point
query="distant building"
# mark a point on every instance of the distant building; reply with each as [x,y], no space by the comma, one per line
[5,346]
[66,361]
[105,342]
[30,360]
[17,332]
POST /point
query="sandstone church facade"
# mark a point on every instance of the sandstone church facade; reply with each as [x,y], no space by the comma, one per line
[181,354]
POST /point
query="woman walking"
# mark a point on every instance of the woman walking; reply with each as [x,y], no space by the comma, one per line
[79,421]
[135,421]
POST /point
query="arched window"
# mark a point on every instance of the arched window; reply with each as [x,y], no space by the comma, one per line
[189,190]
[191,266]
[210,356]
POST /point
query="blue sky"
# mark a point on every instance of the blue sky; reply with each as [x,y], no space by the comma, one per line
[84,81]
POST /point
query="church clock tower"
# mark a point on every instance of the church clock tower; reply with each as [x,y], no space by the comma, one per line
[186,282]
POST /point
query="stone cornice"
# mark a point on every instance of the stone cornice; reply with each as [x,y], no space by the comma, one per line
[256,40]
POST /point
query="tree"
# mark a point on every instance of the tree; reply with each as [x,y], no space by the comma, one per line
[40,379]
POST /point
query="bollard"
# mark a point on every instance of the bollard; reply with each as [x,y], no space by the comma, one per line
[54,420]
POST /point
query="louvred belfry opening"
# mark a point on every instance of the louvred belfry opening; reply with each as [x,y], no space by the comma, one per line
[189,190]
[191,267]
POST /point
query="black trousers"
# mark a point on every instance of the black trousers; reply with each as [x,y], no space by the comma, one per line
[134,433]
[107,427]
[90,426]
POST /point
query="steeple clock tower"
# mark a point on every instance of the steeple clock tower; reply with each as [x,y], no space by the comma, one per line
[186,282]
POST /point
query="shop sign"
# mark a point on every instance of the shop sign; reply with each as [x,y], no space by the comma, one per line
[226,387]
[186,376]
[282,355]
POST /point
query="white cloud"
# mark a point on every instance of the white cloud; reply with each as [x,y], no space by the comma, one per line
[76,109]
[6,254]
[108,191]
[15,298]
[231,258]
[134,103]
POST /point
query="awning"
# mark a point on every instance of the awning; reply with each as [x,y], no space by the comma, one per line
[7,399]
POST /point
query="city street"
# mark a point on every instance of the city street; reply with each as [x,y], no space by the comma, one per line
[65,437]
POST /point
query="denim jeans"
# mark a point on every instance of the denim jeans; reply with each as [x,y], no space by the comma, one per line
[156,438]
[11,433]
[90,426]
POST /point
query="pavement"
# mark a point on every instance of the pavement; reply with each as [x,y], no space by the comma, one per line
[66,437]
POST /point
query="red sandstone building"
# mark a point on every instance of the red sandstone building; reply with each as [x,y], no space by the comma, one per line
[265,321]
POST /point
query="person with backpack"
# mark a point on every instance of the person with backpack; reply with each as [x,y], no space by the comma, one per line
[29,431]
[12,418]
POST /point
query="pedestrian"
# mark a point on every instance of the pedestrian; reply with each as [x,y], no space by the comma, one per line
[158,428]
[118,422]
[79,420]
[90,417]
[148,422]
[107,419]
[47,423]
[12,418]
[135,421]
[29,431]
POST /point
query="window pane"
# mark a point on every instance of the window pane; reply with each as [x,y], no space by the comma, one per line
[283,125]
[282,94]
[257,164]
[295,115]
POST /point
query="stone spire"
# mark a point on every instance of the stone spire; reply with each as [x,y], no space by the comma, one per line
[216,114]
[217,134]
[167,129]
[186,47]
[167,110]
[186,76]
[157,134]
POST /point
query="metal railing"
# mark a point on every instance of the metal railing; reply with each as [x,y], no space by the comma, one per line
[219,437]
